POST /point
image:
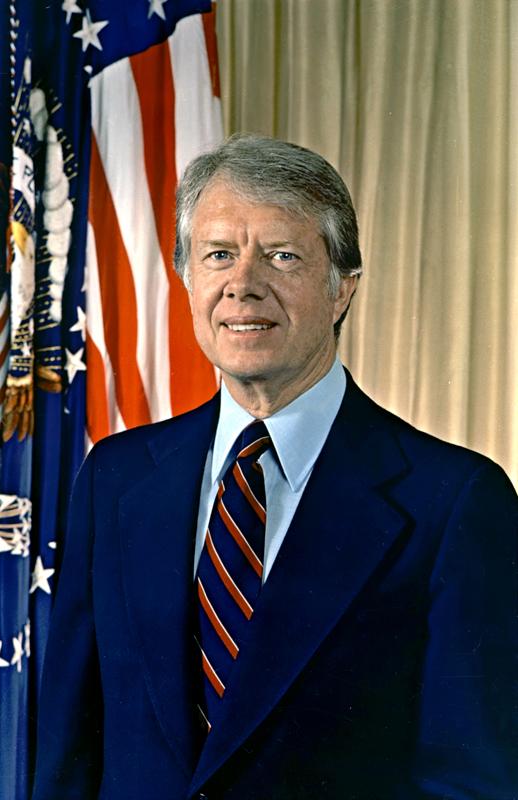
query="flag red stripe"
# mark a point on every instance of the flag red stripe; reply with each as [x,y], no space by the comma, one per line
[118,298]
[192,376]
[209,29]
[192,379]
[97,418]
[152,73]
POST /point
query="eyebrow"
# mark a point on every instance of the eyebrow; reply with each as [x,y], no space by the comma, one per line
[227,243]
[216,243]
[287,243]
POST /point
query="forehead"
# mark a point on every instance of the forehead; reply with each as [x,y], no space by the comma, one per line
[221,205]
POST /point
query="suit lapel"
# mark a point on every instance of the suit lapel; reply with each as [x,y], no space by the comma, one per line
[157,519]
[341,531]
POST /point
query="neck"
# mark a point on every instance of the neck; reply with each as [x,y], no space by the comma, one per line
[263,398]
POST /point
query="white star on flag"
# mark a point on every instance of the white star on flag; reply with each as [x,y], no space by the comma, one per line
[89,31]
[74,363]
[156,7]
[18,652]
[40,577]
[80,325]
[71,7]
[3,662]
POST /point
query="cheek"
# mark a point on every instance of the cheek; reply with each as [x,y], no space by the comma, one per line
[313,306]
[202,309]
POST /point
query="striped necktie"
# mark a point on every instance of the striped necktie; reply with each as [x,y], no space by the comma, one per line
[230,569]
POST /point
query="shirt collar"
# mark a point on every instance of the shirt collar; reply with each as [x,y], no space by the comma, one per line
[298,430]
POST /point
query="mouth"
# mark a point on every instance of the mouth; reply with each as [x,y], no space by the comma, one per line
[243,326]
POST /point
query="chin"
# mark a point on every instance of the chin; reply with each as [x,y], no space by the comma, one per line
[246,371]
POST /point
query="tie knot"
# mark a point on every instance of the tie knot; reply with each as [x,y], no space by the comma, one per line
[255,439]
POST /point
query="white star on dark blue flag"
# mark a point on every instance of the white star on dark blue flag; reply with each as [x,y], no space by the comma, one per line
[156,7]
[89,31]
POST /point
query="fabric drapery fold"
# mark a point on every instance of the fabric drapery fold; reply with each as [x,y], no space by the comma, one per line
[416,104]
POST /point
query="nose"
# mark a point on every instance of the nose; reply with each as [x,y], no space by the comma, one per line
[246,278]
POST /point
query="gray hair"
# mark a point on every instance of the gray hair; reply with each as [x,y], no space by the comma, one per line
[273,172]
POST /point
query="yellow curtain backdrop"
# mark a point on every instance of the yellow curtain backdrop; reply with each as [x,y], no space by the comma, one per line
[416,104]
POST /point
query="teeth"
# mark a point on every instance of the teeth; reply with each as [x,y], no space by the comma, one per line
[250,327]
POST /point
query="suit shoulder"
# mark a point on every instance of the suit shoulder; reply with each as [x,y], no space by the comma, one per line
[153,441]
[427,455]
[439,451]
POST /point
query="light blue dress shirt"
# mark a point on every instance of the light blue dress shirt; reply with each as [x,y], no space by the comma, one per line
[298,432]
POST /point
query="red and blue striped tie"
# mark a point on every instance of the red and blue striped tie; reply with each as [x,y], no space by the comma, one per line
[230,570]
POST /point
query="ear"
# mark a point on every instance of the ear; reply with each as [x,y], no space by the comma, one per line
[345,292]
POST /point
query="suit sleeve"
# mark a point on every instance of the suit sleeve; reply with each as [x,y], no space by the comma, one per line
[468,744]
[70,712]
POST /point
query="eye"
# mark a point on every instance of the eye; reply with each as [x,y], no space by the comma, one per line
[282,257]
[219,256]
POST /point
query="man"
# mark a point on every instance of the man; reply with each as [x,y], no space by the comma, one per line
[320,604]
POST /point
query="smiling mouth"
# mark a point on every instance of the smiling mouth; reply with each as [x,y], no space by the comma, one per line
[250,326]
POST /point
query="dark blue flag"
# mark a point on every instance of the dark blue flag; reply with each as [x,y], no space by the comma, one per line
[49,53]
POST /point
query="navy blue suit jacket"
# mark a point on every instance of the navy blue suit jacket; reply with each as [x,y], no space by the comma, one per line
[380,661]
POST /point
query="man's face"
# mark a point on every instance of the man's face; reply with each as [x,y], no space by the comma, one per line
[259,293]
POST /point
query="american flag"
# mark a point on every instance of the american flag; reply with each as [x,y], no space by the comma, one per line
[154,111]
[112,100]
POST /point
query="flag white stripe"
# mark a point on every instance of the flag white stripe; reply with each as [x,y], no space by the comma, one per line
[198,118]
[115,99]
